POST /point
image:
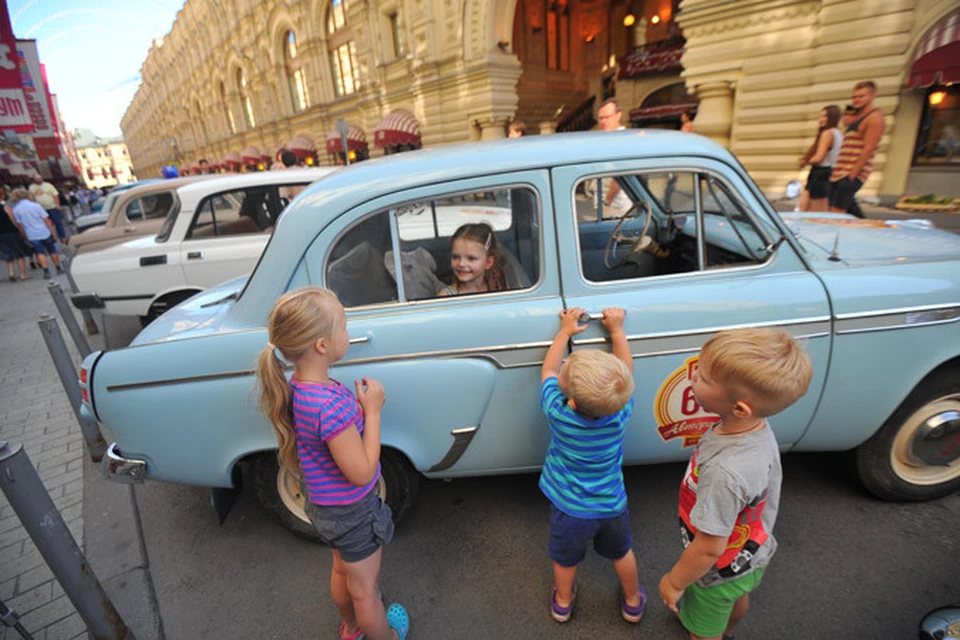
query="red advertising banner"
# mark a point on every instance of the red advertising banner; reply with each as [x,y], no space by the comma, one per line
[13,105]
[31,79]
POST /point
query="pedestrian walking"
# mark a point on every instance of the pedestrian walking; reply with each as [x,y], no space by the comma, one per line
[864,123]
[331,439]
[47,196]
[11,247]
[821,156]
[730,492]
[35,225]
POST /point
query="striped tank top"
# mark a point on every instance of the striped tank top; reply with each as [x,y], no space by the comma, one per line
[850,150]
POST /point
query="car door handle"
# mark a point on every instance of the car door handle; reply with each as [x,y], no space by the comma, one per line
[146,261]
[195,255]
[587,316]
[360,340]
[129,229]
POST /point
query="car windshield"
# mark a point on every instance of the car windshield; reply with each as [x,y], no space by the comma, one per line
[168,222]
[108,203]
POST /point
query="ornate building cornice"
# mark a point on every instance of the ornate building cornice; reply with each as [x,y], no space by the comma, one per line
[715,18]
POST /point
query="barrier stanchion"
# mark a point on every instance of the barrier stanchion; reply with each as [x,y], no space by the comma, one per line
[38,515]
[66,314]
[96,445]
[86,314]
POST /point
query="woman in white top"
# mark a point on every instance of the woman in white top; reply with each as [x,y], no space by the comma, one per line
[821,156]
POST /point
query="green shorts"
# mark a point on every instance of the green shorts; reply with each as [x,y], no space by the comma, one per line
[706,610]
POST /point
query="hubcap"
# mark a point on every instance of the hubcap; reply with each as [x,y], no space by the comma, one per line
[926,450]
[288,487]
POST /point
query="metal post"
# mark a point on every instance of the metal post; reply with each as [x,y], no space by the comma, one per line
[38,515]
[11,618]
[69,319]
[86,314]
[96,445]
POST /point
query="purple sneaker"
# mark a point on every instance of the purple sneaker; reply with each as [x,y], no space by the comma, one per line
[561,614]
[632,613]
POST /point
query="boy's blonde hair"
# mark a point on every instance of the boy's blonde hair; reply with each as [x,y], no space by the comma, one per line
[599,383]
[763,366]
[298,319]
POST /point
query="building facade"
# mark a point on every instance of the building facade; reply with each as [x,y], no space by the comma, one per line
[104,162]
[233,82]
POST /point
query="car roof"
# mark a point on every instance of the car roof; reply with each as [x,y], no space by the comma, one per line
[225,182]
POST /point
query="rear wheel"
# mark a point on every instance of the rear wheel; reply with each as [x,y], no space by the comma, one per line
[916,454]
[278,490]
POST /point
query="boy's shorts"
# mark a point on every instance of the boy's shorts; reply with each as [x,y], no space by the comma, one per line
[355,530]
[570,535]
[706,610]
[47,245]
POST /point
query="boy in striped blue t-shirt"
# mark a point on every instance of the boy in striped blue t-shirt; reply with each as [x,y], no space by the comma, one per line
[587,401]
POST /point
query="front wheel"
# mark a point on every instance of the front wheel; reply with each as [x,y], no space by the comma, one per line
[278,490]
[916,453]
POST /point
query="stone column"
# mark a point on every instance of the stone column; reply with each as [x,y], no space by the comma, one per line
[715,113]
[548,126]
[492,128]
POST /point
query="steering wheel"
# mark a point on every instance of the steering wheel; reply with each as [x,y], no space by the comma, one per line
[639,243]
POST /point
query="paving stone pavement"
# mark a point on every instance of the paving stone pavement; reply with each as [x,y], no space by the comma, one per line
[35,411]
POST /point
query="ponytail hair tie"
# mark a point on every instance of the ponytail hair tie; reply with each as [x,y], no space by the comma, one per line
[486,245]
[272,346]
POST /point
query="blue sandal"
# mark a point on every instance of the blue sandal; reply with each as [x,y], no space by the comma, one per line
[630,613]
[398,620]
[562,614]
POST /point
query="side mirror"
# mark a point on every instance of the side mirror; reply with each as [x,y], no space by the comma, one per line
[793,189]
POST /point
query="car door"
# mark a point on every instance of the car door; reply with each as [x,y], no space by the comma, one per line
[228,233]
[710,262]
[461,373]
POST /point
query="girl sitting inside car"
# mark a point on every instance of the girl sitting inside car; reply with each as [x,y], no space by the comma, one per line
[476,261]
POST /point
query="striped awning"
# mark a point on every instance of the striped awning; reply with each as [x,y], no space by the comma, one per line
[232,159]
[250,155]
[399,127]
[356,140]
[663,111]
[937,57]
[301,145]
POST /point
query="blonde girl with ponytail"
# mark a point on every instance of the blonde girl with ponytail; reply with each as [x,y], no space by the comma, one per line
[330,436]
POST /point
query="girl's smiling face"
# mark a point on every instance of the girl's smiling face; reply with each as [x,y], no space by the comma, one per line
[822,120]
[469,261]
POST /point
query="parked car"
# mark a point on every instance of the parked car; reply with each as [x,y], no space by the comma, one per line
[216,231]
[100,212]
[876,304]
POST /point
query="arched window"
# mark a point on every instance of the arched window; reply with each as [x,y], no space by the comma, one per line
[298,86]
[245,103]
[227,112]
[342,50]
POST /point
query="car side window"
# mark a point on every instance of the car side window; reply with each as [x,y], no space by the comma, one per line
[662,223]
[503,223]
[149,207]
[240,212]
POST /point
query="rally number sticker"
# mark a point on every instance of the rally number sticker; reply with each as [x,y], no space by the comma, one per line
[677,411]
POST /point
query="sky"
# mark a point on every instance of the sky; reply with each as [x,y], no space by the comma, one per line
[93,50]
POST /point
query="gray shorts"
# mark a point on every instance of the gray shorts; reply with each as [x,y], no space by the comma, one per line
[355,530]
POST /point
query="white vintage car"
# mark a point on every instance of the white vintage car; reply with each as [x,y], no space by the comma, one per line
[217,232]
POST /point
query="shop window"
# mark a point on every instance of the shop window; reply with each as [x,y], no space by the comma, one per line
[558,35]
[395,34]
[295,79]
[342,50]
[227,112]
[938,141]
[245,102]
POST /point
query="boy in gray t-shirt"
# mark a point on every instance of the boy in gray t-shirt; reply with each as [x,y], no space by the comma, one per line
[731,490]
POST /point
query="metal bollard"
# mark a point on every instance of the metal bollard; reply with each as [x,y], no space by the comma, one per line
[66,314]
[96,445]
[33,505]
[11,618]
[87,316]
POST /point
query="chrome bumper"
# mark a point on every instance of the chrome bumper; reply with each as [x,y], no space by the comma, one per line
[122,470]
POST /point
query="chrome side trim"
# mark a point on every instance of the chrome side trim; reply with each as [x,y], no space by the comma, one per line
[531,354]
[461,440]
[123,470]
[896,319]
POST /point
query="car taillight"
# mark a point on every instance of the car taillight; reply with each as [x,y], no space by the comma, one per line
[84,395]
[83,376]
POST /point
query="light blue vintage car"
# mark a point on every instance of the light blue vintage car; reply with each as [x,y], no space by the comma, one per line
[666,225]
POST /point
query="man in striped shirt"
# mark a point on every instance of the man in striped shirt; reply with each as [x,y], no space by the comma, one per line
[588,401]
[853,167]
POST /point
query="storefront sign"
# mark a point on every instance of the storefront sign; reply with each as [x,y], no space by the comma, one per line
[653,59]
[33,88]
[14,114]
